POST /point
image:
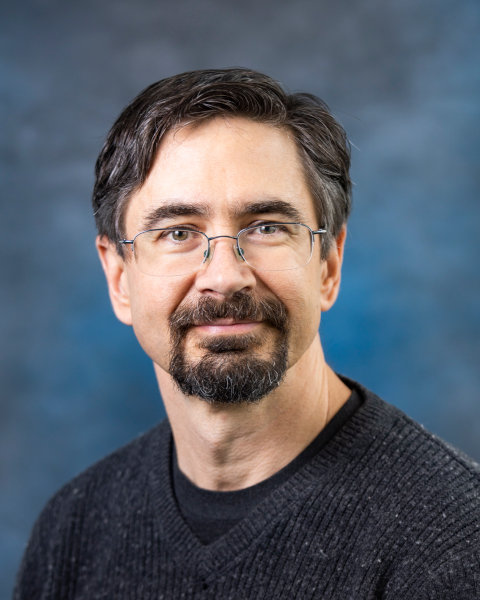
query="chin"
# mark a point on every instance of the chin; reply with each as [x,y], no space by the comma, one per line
[232,374]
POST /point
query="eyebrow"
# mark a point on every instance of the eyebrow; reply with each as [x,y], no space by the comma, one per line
[270,206]
[174,209]
[183,209]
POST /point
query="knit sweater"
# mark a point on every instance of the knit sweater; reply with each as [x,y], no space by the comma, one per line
[384,510]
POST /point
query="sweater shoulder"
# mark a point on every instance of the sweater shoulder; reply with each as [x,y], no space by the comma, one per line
[424,493]
[407,442]
[397,467]
[114,475]
[406,502]
[408,476]
[88,515]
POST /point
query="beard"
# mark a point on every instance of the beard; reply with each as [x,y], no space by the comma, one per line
[231,370]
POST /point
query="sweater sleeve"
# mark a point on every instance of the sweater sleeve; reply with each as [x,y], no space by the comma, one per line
[33,579]
[49,568]
[459,580]
[452,578]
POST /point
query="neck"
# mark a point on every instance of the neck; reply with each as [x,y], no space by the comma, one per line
[232,447]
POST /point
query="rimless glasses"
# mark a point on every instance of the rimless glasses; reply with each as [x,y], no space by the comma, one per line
[176,251]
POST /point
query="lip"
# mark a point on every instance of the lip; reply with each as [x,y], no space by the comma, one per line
[228,326]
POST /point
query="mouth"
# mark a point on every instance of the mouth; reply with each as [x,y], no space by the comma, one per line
[227,326]
[240,317]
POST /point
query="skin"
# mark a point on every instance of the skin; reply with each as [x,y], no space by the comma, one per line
[222,168]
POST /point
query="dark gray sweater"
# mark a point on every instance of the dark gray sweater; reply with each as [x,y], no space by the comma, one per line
[383,510]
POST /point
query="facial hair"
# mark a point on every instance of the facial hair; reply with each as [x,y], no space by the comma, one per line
[230,372]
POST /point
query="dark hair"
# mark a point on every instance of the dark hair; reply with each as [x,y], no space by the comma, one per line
[131,145]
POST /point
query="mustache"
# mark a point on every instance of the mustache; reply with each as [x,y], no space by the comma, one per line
[240,307]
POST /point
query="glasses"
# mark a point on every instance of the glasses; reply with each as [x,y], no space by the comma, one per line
[179,251]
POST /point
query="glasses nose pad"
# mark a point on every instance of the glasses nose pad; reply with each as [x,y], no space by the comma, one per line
[208,253]
[240,252]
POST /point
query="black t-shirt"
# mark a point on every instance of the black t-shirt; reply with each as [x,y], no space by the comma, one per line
[211,514]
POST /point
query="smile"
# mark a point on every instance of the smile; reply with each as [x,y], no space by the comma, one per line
[227,326]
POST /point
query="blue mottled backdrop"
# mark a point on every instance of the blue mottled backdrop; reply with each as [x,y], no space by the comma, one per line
[403,78]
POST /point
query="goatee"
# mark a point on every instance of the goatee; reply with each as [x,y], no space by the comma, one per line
[230,372]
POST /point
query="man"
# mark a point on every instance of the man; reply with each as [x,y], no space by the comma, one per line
[221,205]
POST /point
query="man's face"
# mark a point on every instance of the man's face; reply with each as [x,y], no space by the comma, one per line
[225,318]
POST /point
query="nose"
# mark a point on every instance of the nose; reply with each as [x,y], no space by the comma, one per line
[224,272]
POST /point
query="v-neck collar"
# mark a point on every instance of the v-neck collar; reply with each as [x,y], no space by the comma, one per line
[211,559]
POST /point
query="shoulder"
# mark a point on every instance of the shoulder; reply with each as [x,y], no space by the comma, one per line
[407,443]
[90,514]
[117,480]
[419,495]
[392,448]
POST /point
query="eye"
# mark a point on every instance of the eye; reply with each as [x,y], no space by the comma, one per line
[268,228]
[179,235]
[267,233]
[175,235]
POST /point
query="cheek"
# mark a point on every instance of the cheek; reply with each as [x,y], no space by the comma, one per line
[152,302]
[300,288]
[305,315]
[299,291]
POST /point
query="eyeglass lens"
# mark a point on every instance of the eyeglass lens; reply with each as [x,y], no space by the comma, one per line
[267,247]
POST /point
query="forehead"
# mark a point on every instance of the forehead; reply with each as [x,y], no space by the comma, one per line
[222,166]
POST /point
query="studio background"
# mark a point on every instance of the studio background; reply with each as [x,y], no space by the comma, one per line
[403,79]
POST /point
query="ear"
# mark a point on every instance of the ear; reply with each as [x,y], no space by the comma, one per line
[114,268]
[332,270]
